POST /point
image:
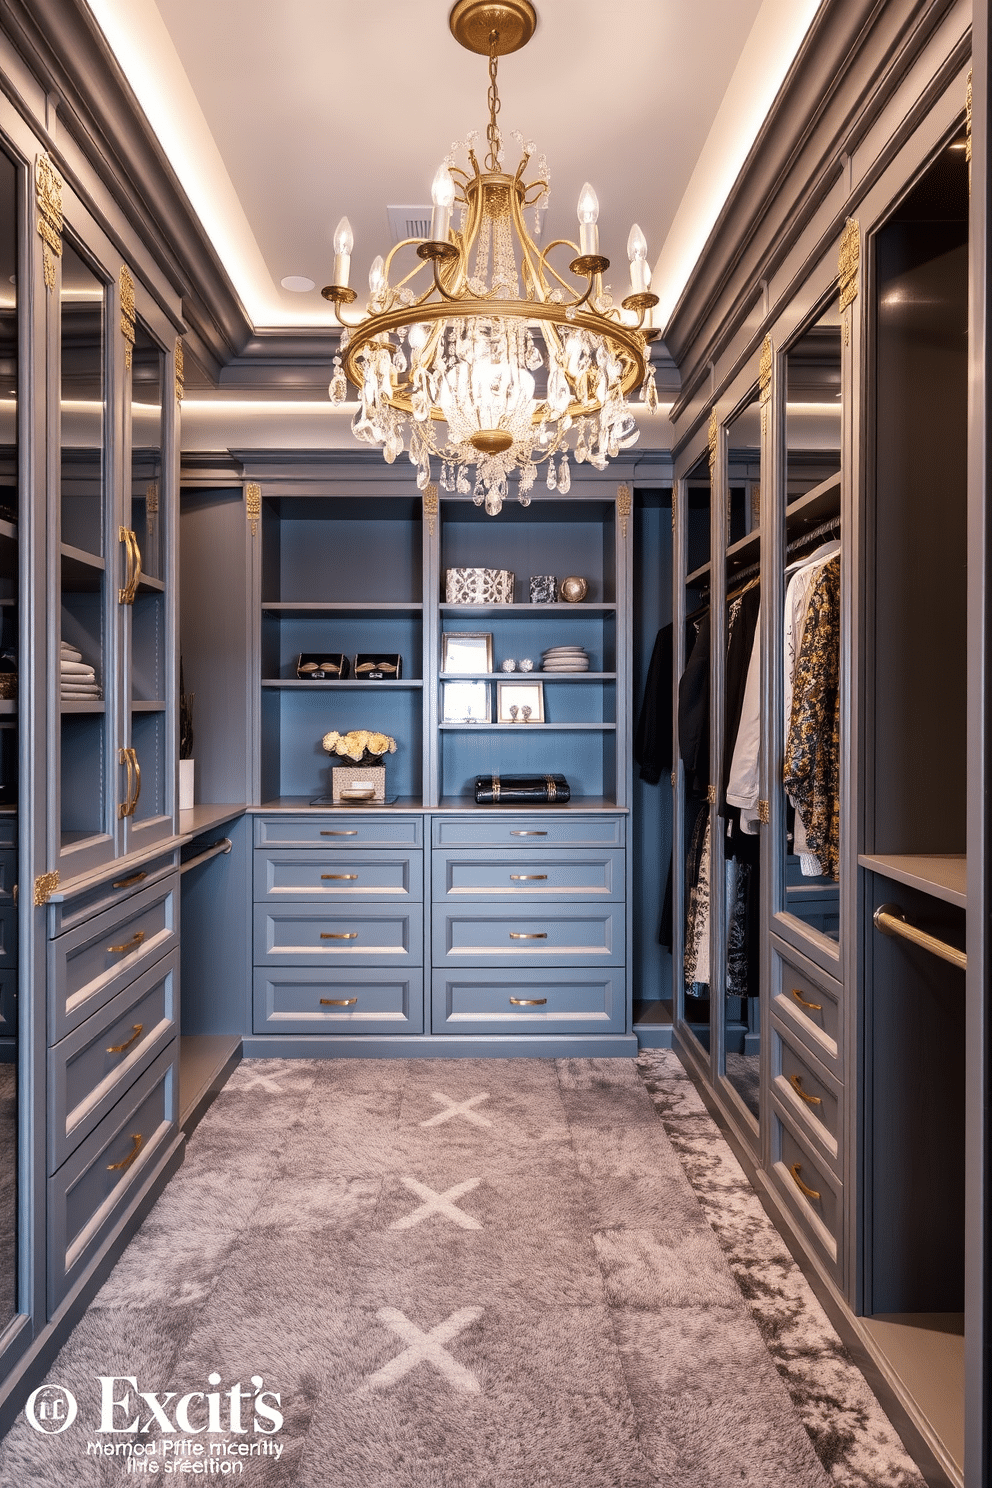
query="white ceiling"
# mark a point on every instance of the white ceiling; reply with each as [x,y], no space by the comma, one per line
[281,118]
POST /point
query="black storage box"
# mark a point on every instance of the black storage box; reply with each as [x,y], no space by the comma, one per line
[521,790]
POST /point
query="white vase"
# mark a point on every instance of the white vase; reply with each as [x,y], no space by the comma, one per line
[186,772]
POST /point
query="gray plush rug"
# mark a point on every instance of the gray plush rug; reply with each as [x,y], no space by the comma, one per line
[8,1192]
[456,1274]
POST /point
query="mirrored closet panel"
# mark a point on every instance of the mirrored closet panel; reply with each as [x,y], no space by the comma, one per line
[9,369]
[811,736]
[694,750]
[738,812]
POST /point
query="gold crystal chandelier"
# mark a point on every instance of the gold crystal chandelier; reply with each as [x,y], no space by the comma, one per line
[478,348]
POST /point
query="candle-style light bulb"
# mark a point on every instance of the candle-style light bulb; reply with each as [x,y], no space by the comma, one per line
[443,196]
[637,252]
[588,215]
[344,241]
[377,275]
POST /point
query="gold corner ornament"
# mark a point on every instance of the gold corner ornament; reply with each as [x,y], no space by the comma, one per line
[45,886]
[430,507]
[967,128]
[128,316]
[765,381]
[180,370]
[848,267]
[623,508]
[48,195]
[253,504]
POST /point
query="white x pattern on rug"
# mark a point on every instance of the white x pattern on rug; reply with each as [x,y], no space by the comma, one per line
[458,1108]
[425,1348]
[438,1203]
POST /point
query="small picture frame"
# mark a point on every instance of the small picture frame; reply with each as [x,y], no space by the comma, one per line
[467,652]
[520,702]
[465,702]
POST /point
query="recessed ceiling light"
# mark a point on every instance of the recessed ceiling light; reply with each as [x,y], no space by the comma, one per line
[297,283]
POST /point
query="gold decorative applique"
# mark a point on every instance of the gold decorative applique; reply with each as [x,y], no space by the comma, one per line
[44,887]
[151,505]
[48,195]
[253,504]
[713,437]
[180,370]
[764,813]
[711,794]
[623,508]
[765,381]
[126,286]
[848,266]
[675,502]
[430,507]
[967,128]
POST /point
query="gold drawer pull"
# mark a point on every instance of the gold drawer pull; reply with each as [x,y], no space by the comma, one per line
[125,883]
[817,1007]
[339,934]
[126,1162]
[119,1048]
[518,832]
[797,1085]
[339,875]
[338,1001]
[811,1193]
[129,945]
[527,875]
[352,833]
[528,935]
[528,1001]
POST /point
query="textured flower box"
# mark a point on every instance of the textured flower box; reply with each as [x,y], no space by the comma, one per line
[346,778]
[477,586]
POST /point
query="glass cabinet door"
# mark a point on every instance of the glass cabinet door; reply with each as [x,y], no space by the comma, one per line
[809,741]
[85,650]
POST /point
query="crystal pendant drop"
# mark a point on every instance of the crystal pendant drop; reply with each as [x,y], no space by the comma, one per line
[552,478]
[564,477]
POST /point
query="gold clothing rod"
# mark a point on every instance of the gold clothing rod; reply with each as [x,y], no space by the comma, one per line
[890,919]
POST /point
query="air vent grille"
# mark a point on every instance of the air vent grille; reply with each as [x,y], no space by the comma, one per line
[408,222]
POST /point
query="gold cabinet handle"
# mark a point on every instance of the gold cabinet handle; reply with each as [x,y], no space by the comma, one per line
[797,1085]
[528,1001]
[528,935]
[338,1001]
[811,1193]
[126,595]
[129,945]
[124,758]
[137,565]
[126,1162]
[519,832]
[125,883]
[119,1048]
[816,1007]
[352,833]
[339,934]
[339,875]
[521,876]
[137,781]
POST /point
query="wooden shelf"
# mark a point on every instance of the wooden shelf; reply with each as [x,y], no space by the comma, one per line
[529,728]
[527,676]
[335,684]
[8,531]
[697,576]
[148,707]
[817,506]
[289,609]
[944,875]
[199,819]
[577,803]
[535,610]
[81,572]
[81,705]
[149,585]
[926,1352]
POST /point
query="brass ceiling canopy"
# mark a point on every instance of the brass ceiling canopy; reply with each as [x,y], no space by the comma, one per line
[473,22]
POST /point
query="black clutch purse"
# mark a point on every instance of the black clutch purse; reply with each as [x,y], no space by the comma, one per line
[521,790]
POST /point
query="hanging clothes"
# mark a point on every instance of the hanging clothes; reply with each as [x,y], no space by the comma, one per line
[694,709]
[742,628]
[804,574]
[812,752]
[653,734]
[696,955]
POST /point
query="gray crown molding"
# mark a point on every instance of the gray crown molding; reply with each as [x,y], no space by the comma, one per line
[64,48]
[829,101]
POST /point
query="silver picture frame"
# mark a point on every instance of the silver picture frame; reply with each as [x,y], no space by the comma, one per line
[467,653]
[466,702]
[520,702]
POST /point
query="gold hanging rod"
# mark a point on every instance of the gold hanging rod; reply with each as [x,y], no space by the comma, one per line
[224,845]
[890,919]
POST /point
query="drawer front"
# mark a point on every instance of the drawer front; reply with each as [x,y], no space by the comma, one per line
[8,875]
[528,934]
[356,935]
[282,874]
[93,1066]
[8,827]
[126,882]
[811,1192]
[85,1196]
[91,964]
[8,1003]
[321,999]
[8,936]
[331,829]
[580,873]
[542,1001]
[809,1091]
[481,829]
[809,1004]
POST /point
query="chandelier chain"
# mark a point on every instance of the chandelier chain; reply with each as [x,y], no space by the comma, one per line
[492,133]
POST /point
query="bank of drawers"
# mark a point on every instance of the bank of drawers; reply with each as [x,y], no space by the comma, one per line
[338,928]
[806,1115]
[528,925]
[112,1059]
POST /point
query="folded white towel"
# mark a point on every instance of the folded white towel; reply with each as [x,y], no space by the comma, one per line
[76,669]
[85,690]
[70,653]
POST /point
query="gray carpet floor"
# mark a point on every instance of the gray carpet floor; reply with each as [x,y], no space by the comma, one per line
[8,1192]
[456,1274]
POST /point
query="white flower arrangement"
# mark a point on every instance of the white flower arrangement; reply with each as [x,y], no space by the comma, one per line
[357,744]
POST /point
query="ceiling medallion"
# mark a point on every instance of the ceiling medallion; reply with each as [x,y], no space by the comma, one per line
[474,348]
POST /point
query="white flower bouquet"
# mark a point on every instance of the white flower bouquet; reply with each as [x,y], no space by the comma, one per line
[359,746]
